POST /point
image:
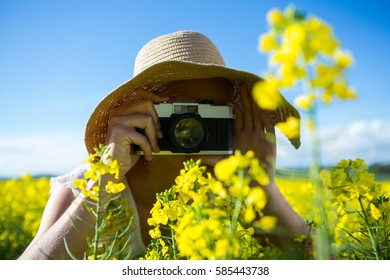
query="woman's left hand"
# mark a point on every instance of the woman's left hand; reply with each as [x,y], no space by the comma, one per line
[252,130]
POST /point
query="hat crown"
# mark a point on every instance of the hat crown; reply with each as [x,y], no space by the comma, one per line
[184,46]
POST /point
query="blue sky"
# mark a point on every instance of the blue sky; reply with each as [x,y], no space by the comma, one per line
[58,59]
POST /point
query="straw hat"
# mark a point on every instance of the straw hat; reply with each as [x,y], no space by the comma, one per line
[181,55]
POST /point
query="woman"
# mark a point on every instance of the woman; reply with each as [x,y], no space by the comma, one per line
[183,63]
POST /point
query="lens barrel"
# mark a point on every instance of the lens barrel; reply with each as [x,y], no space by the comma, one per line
[188,132]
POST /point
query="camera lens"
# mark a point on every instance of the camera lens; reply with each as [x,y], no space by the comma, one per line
[188,133]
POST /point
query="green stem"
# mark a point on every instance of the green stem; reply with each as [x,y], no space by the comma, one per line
[372,239]
[173,244]
[236,213]
[97,231]
[322,245]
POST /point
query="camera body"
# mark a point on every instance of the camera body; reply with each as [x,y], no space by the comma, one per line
[193,128]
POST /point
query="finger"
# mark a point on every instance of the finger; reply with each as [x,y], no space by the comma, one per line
[140,140]
[258,124]
[248,114]
[269,128]
[125,138]
[238,121]
[140,121]
[144,107]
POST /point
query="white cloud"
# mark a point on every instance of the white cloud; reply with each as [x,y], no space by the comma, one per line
[369,140]
[41,154]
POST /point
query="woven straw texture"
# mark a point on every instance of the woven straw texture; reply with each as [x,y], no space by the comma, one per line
[182,55]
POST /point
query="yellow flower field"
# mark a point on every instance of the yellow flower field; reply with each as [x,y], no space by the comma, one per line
[23,200]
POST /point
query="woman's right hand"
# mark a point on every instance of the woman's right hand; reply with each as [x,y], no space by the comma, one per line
[136,112]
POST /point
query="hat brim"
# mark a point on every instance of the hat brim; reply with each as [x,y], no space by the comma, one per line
[169,71]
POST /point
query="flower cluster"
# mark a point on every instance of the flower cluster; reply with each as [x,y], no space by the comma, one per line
[206,217]
[302,50]
[113,218]
[100,164]
[363,210]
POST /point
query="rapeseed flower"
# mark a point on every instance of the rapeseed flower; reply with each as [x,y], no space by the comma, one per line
[275,17]
[290,128]
[209,217]
[266,94]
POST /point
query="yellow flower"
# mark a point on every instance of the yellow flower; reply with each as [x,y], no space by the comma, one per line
[268,42]
[342,91]
[267,223]
[114,168]
[92,158]
[80,184]
[258,173]
[275,17]
[249,215]
[305,101]
[224,169]
[290,73]
[221,248]
[266,94]
[300,238]
[90,174]
[155,233]
[94,193]
[326,75]
[114,188]
[100,167]
[294,36]
[375,212]
[256,197]
[290,128]
[343,59]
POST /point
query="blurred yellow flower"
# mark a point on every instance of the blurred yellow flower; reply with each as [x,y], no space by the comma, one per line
[290,128]
[267,223]
[249,215]
[224,169]
[343,59]
[294,36]
[275,17]
[256,197]
[342,91]
[266,94]
[375,212]
[268,42]
[305,101]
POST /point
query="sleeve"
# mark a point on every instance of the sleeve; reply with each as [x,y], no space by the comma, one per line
[66,180]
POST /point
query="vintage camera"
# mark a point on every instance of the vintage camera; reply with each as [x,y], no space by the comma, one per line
[193,128]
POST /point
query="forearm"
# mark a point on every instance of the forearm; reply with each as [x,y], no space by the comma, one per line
[73,226]
[288,218]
